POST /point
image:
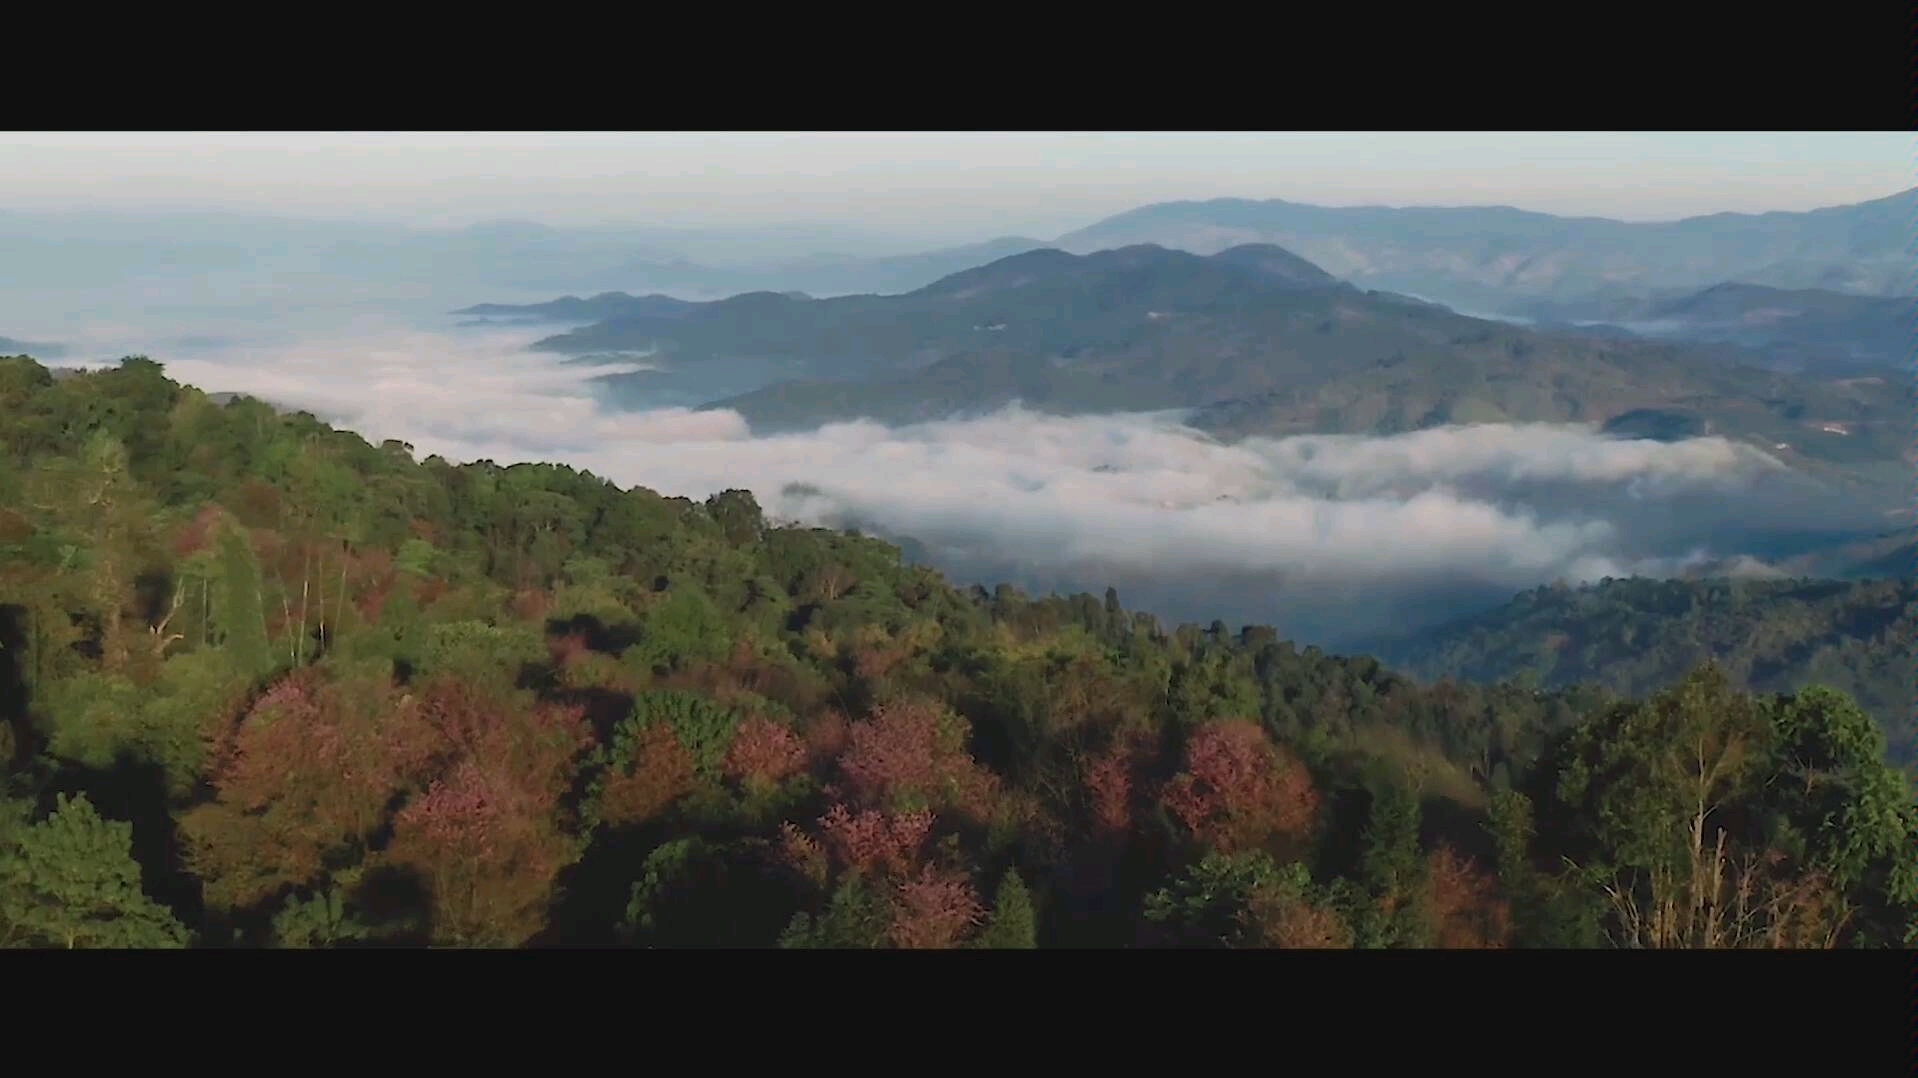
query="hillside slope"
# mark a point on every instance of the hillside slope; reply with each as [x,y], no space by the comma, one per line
[1257,344]
[1637,636]
[290,689]
[1805,328]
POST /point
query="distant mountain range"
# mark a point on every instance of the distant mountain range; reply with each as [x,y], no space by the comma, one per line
[11,347]
[605,307]
[1255,339]
[1494,258]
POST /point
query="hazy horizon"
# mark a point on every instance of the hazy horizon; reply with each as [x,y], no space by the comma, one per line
[878,189]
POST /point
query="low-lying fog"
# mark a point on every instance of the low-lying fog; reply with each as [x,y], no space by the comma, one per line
[1331,539]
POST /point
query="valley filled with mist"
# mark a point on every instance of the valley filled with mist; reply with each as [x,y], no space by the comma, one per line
[1469,476]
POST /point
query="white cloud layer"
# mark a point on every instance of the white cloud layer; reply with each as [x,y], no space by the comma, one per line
[1259,526]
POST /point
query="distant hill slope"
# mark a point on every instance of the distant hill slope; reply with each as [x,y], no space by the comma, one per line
[606,305]
[1807,328]
[1899,563]
[1260,342]
[1634,636]
[1043,302]
[1488,256]
[11,347]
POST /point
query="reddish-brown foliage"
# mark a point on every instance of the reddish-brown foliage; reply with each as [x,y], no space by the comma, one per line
[462,810]
[14,526]
[531,604]
[827,735]
[427,592]
[1288,921]
[298,775]
[267,545]
[310,770]
[197,534]
[485,832]
[1463,903]
[803,853]
[874,841]
[1109,788]
[873,661]
[745,678]
[488,856]
[933,910]
[372,600]
[1238,790]
[661,773]
[256,504]
[763,752]
[564,648]
[367,565]
[370,578]
[909,750]
[423,529]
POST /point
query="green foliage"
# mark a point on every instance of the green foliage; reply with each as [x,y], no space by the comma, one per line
[239,606]
[1205,906]
[480,653]
[854,919]
[1651,773]
[417,557]
[1830,760]
[96,719]
[317,921]
[1390,870]
[703,726]
[682,629]
[1637,636]
[599,599]
[1014,925]
[92,718]
[662,867]
[72,882]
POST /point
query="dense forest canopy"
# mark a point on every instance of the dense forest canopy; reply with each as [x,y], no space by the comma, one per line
[1635,636]
[266,684]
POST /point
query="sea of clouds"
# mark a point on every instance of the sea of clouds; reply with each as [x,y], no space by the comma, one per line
[1330,538]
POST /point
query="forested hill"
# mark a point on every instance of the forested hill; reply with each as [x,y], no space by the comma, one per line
[1637,636]
[1255,339]
[266,684]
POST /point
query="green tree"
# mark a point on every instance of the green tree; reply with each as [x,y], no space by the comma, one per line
[315,921]
[1014,926]
[239,606]
[1205,906]
[72,882]
[1391,869]
[1654,780]
[854,919]
[1840,812]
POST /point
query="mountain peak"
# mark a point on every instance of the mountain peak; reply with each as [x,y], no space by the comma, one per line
[1276,262]
[1161,266]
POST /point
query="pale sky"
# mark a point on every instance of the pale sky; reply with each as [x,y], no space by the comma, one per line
[957,186]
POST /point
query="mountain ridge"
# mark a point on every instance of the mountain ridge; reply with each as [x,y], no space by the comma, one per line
[1467,254]
[1149,328]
